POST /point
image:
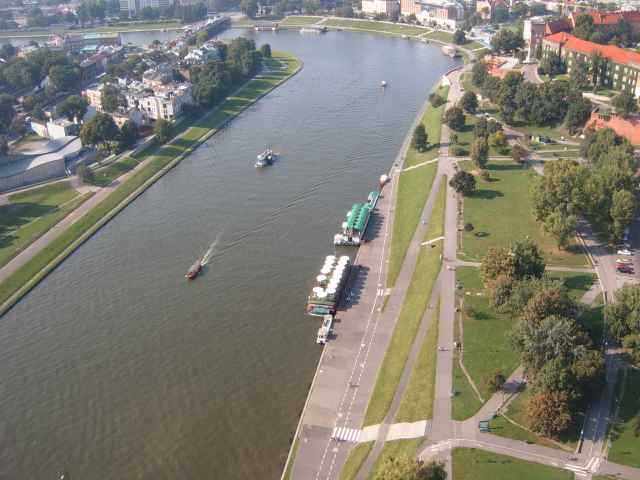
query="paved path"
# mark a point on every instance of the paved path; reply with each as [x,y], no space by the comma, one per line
[551,268]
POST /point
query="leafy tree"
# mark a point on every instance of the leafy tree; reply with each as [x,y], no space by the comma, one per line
[506,40]
[6,111]
[625,104]
[480,152]
[7,51]
[459,38]
[469,102]
[419,139]
[584,27]
[499,140]
[579,75]
[622,207]
[578,113]
[552,65]
[559,189]
[265,50]
[162,130]
[623,315]
[85,174]
[4,145]
[550,300]
[463,182]
[454,118]
[562,227]
[405,468]
[111,98]
[101,130]
[479,74]
[632,344]
[72,107]
[598,70]
[128,134]
[64,77]
[497,262]
[436,100]
[518,153]
[549,413]
[496,381]
[589,369]
[528,260]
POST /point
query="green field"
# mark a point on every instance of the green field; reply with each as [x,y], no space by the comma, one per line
[32,213]
[106,175]
[160,158]
[625,435]
[445,37]
[413,189]
[373,26]
[356,458]
[415,303]
[501,214]
[300,20]
[472,464]
[396,448]
[464,403]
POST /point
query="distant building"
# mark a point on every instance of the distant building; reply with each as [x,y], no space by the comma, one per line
[76,42]
[410,7]
[54,129]
[132,115]
[486,8]
[132,7]
[605,21]
[622,69]
[94,96]
[444,14]
[533,33]
[166,101]
[386,7]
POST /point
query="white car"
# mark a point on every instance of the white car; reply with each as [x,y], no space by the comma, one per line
[625,251]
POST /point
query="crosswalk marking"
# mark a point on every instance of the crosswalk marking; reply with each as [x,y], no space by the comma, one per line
[346,434]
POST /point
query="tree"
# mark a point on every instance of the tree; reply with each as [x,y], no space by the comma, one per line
[111,98]
[623,315]
[519,153]
[436,100]
[579,75]
[85,174]
[7,51]
[499,141]
[622,206]
[506,41]
[6,111]
[578,113]
[549,413]
[528,260]
[496,381]
[598,69]
[497,262]
[552,65]
[479,74]
[128,134]
[454,118]
[550,300]
[480,152]
[406,468]
[459,38]
[101,130]
[562,227]
[4,145]
[463,182]
[73,107]
[420,138]
[625,104]
[64,77]
[265,50]
[559,189]
[469,102]
[249,7]
[162,130]
[584,27]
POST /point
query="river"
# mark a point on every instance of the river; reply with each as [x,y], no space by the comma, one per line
[116,367]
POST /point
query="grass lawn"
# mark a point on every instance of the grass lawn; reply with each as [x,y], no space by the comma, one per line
[372,25]
[501,213]
[396,448]
[105,175]
[625,435]
[413,189]
[445,37]
[417,403]
[466,138]
[517,412]
[32,213]
[416,300]
[300,20]
[464,403]
[473,464]
[160,157]
[356,458]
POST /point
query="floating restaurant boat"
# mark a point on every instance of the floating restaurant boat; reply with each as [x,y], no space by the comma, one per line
[330,285]
[325,330]
[265,158]
[194,271]
[355,225]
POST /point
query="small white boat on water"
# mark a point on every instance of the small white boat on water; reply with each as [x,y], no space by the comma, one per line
[383,83]
[265,158]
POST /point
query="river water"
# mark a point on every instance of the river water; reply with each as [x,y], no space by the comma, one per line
[116,367]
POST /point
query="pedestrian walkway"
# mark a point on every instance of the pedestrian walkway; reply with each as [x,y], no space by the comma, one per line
[346,434]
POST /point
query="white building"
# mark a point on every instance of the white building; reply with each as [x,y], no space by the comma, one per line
[445,14]
[386,7]
[54,129]
[166,101]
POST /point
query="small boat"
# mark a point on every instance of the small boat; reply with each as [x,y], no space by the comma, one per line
[265,158]
[194,271]
[383,83]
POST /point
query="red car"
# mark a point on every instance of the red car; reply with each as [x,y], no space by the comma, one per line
[622,268]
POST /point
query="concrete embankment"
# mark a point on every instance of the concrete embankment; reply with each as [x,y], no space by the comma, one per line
[85,233]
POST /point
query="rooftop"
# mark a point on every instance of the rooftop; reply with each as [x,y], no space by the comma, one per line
[611,52]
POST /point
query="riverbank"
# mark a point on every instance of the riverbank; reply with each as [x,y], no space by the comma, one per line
[154,163]
[126,28]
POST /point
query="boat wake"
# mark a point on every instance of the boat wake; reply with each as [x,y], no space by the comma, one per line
[211,251]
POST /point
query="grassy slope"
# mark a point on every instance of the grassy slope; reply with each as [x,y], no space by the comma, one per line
[356,458]
[374,26]
[625,446]
[501,213]
[105,175]
[32,213]
[472,464]
[396,448]
[417,403]
[300,20]
[413,189]
[416,300]
[161,157]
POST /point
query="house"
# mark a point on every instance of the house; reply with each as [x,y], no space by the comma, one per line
[54,129]
[132,115]
[166,101]
[410,7]
[628,128]
[384,7]
[445,14]
[621,69]
[94,96]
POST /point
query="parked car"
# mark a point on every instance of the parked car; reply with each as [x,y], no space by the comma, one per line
[625,269]
[627,261]
[625,251]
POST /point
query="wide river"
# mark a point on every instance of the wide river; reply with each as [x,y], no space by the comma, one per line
[116,367]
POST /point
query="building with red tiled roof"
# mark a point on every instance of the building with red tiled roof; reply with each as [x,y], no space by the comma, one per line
[555,25]
[628,128]
[608,20]
[621,70]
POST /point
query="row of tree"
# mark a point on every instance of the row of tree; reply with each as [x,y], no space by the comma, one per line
[619,34]
[602,189]
[564,368]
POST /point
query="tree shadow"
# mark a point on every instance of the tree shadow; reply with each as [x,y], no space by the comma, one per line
[486,194]
[505,166]
[15,215]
